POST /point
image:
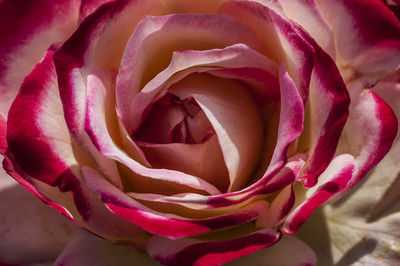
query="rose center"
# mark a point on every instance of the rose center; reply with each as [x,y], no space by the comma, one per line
[174,120]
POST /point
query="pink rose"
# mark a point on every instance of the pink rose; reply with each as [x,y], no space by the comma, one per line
[196,131]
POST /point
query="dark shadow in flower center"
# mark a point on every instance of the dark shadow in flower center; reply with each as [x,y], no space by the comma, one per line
[173,120]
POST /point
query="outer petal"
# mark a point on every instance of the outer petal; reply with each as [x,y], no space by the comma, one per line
[3,133]
[195,252]
[376,125]
[280,207]
[25,40]
[367,35]
[89,250]
[41,146]
[333,180]
[94,44]
[328,110]
[32,136]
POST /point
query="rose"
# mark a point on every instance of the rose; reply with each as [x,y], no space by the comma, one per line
[101,117]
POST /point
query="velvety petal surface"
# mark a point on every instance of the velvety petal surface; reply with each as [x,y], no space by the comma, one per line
[187,62]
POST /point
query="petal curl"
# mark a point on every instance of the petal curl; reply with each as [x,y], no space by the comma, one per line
[376,125]
[332,181]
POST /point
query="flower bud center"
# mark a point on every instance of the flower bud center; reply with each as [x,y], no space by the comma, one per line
[174,120]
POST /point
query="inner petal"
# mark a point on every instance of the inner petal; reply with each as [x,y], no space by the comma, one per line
[172,120]
[143,59]
[235,118]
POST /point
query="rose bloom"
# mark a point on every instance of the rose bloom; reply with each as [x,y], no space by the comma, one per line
[195,131]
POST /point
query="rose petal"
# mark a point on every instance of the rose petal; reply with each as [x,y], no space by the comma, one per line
[285,176]
[279,208]
[215,96]
[308,16]
[88,6]
[280,39]
[263,86]
[24,41]
[367,46]
[143,59]
[328,111]
[98,132]
[332,181]
[3,135]
[94,43]
[41,147]
[39,139]
[290,120]
[193,159]
[184,63]
[165,224]
[195,252]
[376,125]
